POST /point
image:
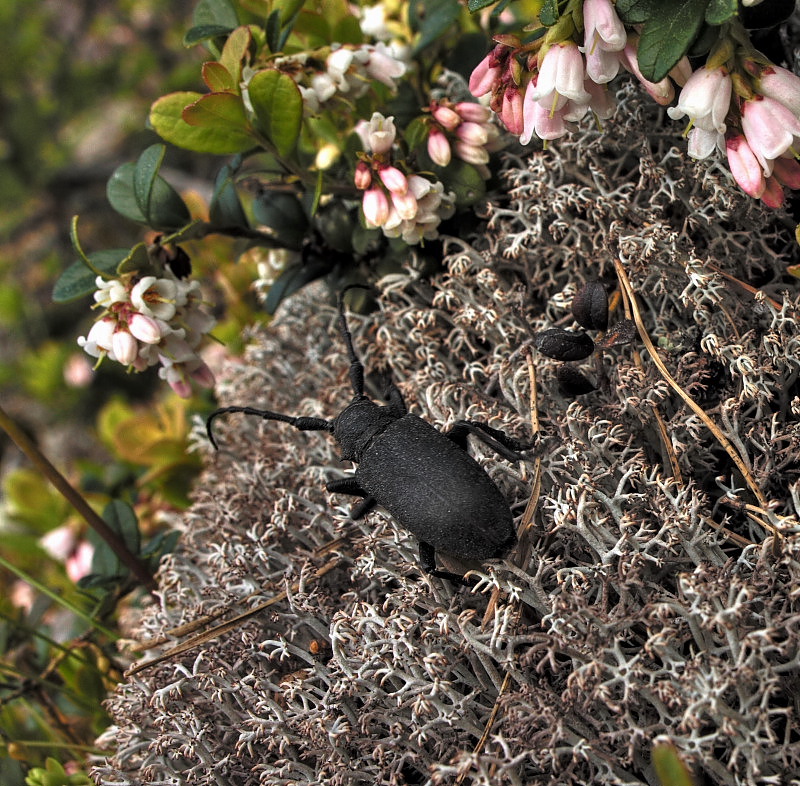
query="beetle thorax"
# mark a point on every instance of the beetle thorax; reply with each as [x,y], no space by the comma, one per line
[358,424]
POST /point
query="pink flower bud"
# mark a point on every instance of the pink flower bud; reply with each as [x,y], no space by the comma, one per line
[102,331]
[773,195]
[375,206]
[382,66]
[661,92]
[405,205]
[484,76]
[474,133]
[787,172]
[124,347]
[363,176]
[446,117]
[744,166]
[472,154]
[79,563]
[770,128]
[602,27]
[511,113]
[203,376]
[561,75]
[438,147]
[783,86]
[145,328]
[393,179]
[476,113]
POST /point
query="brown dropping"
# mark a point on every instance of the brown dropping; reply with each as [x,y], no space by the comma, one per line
[590,306]
[572,382]
[561,344]
[622,333]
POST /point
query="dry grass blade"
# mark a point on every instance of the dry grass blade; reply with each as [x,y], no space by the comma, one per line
[225,627]
[690,402]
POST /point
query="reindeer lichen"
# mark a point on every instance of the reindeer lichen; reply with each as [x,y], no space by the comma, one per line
[659,598]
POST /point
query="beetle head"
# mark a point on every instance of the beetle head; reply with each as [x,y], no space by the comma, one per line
[358,423]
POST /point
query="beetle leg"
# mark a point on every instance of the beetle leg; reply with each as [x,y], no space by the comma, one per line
[396,400]
[508,447]
[351,486]
[427,558]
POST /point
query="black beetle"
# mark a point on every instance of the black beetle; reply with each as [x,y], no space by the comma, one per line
[424,478]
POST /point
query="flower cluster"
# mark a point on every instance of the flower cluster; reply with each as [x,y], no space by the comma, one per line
[463,128]
[149,320]
[559,81]
[738,102]
[348,72]
[408,206]
[752,113]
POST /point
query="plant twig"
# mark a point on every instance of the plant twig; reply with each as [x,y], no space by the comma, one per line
[43,464]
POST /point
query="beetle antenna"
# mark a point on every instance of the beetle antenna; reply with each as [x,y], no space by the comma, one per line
[356,366]
[301,423]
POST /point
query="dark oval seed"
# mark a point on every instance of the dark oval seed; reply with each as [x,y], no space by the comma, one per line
[572,382]
[561,344]
[590,306]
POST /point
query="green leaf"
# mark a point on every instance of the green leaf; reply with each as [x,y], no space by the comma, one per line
[668,35]
[226,209]
[165,209]
[670,769]
[106,566]
[465,181]
[217,78]
[224,111]
[203,33]
[293,278]
[274,31]
[144,176]
[166,117]
[284,215]
[478,5]
[720,11]
[635,12]
[278,106]
[548,16]
[234,53]
[78,280]
[220,13]
[432,19]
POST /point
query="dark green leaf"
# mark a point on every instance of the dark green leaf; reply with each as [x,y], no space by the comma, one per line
[432,19]
[274,31]
[463,179]
[215,12]
[479,5]
[106,566]
[78,280]
[144,176]
[635,12]
[121,517]
[284,215]
[703,42]
[278,105]
[226,209]
[167,210]
[720,11]
[292,279]
[203,33]
[548,16]
[120,193]
[668,35]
